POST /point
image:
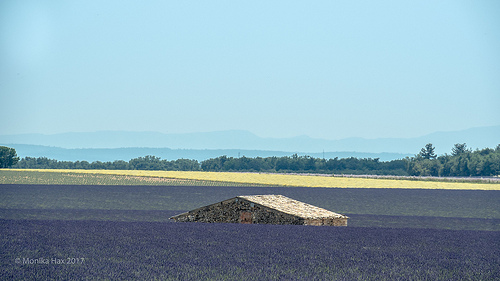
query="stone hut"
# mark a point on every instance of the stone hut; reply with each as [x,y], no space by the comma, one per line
[263,209]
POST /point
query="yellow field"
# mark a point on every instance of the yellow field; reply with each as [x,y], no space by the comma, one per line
[289,180]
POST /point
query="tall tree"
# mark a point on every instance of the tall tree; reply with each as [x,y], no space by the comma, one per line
[8,157]
[459,148]
[428,152]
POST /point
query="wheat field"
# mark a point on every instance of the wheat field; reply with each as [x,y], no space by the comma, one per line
[281,179]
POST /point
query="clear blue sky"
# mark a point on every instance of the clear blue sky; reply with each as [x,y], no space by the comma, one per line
[326,69]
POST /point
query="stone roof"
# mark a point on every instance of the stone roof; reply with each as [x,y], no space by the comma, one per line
[290,206]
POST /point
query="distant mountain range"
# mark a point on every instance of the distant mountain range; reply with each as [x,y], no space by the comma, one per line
[114,145]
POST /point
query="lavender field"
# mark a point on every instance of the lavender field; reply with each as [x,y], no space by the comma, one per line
[402,208]
[196,251]
[123,233]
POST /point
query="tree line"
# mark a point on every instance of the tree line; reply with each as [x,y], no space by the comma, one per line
[306,164]
[462,161]
[148,162]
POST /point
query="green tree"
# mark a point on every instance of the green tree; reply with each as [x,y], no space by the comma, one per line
[8,157]
[148,162]
[428,152]
[459,148]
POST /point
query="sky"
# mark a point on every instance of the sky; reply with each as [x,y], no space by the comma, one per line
[325,69]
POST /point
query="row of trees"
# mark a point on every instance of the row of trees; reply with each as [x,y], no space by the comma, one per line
[308,164]
[142,163]
[461,162]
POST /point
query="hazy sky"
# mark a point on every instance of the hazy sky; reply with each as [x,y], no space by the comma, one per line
[326,69]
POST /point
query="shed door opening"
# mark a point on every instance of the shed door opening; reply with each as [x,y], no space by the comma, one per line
[246,217]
